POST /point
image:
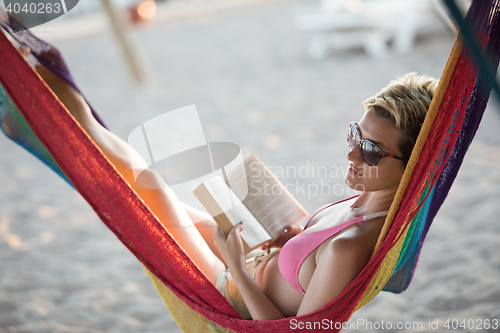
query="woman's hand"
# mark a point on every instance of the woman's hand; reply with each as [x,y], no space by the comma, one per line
[231,246]
[285,235]
[231,249]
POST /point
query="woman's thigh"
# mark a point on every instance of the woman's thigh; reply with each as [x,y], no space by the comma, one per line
[205,225]
[161,200]
[167,207]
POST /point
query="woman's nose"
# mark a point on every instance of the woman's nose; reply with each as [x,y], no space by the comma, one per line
[354,154]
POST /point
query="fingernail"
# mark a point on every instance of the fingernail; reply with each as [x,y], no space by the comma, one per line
[285,231]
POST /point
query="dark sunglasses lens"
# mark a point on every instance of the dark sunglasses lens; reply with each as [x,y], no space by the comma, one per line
[370,152]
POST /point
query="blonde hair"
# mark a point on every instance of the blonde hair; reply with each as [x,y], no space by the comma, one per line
[404,102]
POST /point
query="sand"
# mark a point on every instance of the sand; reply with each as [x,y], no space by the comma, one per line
[248,73]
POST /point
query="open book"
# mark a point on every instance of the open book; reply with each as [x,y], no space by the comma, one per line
[256,197]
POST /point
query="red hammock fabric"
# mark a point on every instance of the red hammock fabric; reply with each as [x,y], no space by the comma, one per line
[136,226]
[102,186]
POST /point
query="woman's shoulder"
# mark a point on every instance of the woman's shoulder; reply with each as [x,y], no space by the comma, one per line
[359,239]
[351,242]
[351,251]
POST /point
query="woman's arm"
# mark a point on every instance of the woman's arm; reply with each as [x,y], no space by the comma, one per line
[338,265]
[231,248]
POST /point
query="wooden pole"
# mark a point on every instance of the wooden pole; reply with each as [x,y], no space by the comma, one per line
[138,68]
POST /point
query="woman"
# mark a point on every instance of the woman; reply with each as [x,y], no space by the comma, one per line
[314,266]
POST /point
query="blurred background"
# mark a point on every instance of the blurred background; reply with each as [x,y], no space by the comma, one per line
[280,78]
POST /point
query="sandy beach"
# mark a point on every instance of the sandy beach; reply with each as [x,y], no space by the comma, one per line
[247,71]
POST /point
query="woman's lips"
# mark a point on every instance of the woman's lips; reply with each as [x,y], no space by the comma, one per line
[352,171]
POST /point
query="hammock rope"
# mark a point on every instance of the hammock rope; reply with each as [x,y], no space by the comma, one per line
[197,306]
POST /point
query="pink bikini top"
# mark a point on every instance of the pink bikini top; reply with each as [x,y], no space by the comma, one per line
[296,250]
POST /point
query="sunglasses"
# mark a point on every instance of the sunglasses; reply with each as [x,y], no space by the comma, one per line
[370,152]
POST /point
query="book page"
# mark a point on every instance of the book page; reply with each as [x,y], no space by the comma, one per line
[233,208]
[267,198]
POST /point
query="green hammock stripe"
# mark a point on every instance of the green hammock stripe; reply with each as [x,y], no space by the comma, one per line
[17,129]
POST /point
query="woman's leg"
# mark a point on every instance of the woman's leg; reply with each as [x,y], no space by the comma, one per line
[163,202]
[206,226]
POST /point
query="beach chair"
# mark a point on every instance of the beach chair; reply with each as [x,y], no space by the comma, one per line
[451,123]
[370,24]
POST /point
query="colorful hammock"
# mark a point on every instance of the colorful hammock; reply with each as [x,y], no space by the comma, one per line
[197,306]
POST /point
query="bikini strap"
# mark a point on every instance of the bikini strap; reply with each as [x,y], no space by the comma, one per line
[374,215]
[326,206]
